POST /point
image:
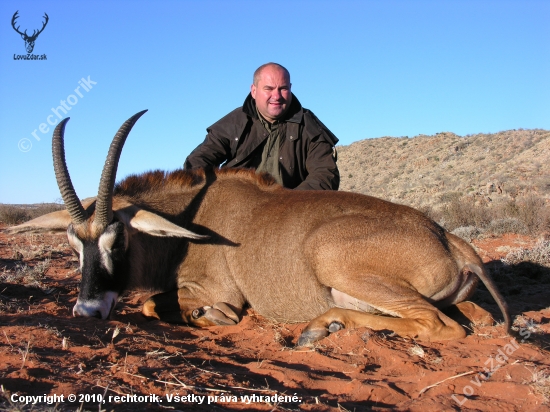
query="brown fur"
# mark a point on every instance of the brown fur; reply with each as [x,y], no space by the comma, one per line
[177,180]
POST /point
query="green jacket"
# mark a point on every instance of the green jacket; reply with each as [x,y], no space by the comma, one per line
[306,156]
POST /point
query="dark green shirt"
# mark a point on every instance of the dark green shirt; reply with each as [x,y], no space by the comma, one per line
[270,153]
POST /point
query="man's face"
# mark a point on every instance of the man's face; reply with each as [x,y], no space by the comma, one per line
[272,93]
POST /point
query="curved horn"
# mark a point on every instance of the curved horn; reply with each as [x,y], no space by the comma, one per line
[74,207]
[104,202]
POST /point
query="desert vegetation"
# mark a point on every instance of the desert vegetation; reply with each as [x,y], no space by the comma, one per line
[15,214]
[478,184]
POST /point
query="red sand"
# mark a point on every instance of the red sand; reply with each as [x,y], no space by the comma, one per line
[250,366]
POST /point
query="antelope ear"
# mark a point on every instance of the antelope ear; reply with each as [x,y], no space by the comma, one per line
[153,224]
[55,222]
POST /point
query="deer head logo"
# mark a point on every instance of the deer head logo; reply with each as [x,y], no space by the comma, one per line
[29,40]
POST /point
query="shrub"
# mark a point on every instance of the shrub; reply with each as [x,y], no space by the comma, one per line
[534,213]
[468,233]
[44,208]
[526,216]
[12,215]
[507,225]
[463,212]
[539,254]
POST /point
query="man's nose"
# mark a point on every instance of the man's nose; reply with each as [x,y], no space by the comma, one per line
[276,94]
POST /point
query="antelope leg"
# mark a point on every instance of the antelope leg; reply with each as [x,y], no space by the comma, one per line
[179,306]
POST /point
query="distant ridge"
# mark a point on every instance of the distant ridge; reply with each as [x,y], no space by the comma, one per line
[427,170]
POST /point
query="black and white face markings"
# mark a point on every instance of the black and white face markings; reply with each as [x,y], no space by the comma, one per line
[101,261]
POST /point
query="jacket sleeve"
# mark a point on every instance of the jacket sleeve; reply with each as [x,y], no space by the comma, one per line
[217,146]
[322,171]
[211,153]
[321,167]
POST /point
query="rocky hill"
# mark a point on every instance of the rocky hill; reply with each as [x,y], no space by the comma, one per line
[426,171]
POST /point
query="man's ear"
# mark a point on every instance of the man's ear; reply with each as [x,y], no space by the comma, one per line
[253,91]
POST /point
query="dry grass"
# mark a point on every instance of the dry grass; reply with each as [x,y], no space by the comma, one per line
[26,275]
[527,216]
[15,214]
[541,384]
[416,350]
[539,254]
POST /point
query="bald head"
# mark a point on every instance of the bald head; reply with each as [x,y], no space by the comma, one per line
[276,66]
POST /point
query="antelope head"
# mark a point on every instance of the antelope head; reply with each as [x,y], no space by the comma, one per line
[100,230]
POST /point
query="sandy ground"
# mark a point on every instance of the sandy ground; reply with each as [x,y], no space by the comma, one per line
[130,363]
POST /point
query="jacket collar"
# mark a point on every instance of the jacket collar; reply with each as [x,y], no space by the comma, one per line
[294,114]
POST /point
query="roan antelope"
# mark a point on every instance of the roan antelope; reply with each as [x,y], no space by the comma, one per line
[209,242]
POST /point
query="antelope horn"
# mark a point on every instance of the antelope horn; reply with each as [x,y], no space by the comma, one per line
[104,201]
[74,207]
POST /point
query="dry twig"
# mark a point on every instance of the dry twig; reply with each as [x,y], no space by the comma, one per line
[440,382]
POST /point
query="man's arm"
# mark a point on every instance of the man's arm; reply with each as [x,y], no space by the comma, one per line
[217,146]
[211,153]
[321,166]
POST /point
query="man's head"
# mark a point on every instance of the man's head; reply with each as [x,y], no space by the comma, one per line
[271,90]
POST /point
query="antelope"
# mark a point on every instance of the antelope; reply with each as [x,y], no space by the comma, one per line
[209,242]
[29,40]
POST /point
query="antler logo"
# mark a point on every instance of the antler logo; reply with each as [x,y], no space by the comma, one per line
[29,40]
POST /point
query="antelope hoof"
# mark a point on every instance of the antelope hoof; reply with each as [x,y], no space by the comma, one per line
[308,337]
[335,327]
[220,314]
[217,317]
[227,311]
[199,312]
[475,313]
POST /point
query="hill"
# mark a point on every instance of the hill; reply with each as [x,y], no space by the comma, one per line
[422,169]
[503,171]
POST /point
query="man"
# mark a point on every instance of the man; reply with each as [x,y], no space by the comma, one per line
[272,133]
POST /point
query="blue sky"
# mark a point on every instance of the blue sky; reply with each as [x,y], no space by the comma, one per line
[366,68]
